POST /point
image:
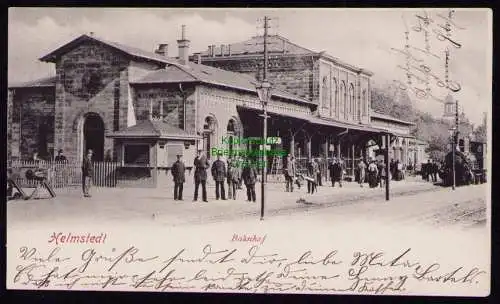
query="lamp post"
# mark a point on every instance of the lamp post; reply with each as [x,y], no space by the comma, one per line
[264,92]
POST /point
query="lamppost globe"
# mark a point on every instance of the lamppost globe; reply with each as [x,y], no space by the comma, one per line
[264,92]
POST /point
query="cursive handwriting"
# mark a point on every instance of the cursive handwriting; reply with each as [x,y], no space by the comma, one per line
[230,269]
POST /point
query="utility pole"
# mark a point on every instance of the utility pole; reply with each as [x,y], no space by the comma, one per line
[264,146]
[455,142]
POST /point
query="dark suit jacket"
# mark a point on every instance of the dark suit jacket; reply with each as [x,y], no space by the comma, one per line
[178,172]
[249,175]
[219,170]
[87,168]
[201,165]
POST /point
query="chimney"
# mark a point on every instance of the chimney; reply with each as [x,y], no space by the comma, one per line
[162,49]
[222,49]
[183,45]
[229,49]
[209,50]
[197,58]
[213,50]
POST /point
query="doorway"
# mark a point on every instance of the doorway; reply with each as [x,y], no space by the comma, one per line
[93,136]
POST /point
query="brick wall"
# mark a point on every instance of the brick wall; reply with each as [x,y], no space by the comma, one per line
[105,72]
[294,74]
[32,125]
[176,111]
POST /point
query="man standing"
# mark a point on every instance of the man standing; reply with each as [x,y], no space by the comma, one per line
[312,179]
[60,156]
[435,170]
[318,175]
[87,172]
[219,175]
[336,172]
[249,176]
[289,173]
[178,173]
[361,172]
[381,173]
[200,176]
[233,177]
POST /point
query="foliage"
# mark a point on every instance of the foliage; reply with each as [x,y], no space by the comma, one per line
[435,131]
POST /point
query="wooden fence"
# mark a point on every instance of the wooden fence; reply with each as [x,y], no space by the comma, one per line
[64,174]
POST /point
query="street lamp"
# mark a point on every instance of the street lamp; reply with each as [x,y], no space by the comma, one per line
[264,92]
[453,152]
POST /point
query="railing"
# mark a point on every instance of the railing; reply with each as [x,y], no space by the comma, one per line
[64,174]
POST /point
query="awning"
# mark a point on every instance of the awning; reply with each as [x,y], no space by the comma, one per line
[318,121]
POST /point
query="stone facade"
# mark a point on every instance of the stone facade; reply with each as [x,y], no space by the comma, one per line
[31,125]
[92,78]
[178,107]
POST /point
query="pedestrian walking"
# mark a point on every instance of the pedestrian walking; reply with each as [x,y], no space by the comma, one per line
[382,173]
[178,174]
[312,176]
[335,170]
[87,172]
[200,175]
[290,172]
[372,174]
[361,172]
[233,177]
[219,175]
[249,176]
[435,169]
[318,175]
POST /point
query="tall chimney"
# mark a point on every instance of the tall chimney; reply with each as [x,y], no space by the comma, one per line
[229,49]
[222,49]
[213,50]
[197,58]
[162,49]
[183,45]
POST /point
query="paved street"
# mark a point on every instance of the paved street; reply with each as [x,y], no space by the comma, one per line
[411,198]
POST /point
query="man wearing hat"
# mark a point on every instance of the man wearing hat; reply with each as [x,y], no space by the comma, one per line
[219,175]
[87,171]
[178,170]
[200,175]
[60,157]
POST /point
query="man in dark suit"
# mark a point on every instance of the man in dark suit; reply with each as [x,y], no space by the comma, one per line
[200,175]
[249,176]
[87,171]
[219,175]
[336,172]
[178,173]
[60,156]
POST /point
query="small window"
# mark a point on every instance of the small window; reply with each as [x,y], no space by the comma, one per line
[137,155]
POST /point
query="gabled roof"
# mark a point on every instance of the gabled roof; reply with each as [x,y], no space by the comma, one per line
[390,118]
[276,44]
[42,82]
[210,75]
[153,129]
[130,51]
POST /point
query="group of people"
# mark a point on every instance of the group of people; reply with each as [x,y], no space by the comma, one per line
[234,175]
[430,171]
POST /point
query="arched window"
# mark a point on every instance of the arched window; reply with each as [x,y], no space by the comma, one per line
[342,98]
[352,102]
[325,93]
[334,101]
[209,134]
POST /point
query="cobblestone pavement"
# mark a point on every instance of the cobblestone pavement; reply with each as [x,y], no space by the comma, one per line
[139,204]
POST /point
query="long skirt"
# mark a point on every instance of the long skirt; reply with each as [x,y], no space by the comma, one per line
[372,179]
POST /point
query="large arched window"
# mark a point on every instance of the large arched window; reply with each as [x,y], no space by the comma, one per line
[334,100]
[342,97]
[209,134]
[352,102]
[325,93]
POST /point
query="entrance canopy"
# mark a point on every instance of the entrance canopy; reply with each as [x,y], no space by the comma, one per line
[154,129]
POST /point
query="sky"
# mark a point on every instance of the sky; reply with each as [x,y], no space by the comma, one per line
[361,37]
